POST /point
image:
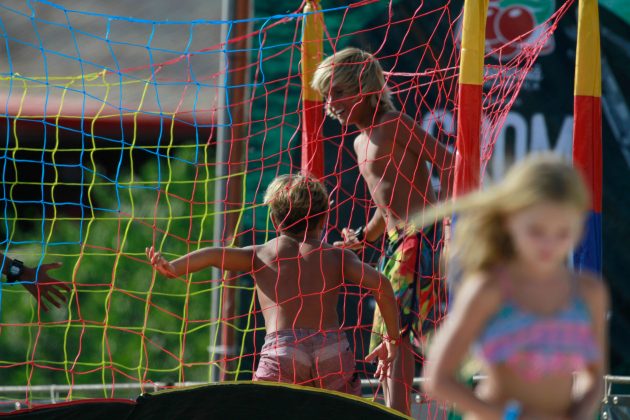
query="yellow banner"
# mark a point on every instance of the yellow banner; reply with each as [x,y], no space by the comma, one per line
[473,42]
[312,47]
[588,73]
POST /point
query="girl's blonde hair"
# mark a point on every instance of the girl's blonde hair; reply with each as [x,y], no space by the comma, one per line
[355,72]
[297,202]
[480,239]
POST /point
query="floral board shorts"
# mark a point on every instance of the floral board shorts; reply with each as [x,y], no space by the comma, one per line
[411,262]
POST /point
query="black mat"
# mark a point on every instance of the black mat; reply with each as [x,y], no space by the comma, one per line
[98,409]
[248,400]
[241,400]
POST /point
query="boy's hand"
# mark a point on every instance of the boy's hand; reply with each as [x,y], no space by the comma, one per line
[350,239]
[160,263]
[41,285]
[385,352]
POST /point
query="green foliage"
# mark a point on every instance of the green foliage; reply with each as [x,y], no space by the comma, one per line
[122,323]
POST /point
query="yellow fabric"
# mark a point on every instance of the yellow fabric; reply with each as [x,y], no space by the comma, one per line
[312,47]
[473,42]
[588,78]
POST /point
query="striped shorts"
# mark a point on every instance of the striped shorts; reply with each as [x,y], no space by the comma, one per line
[307,357]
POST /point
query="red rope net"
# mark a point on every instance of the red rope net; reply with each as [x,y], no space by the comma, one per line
[112,134]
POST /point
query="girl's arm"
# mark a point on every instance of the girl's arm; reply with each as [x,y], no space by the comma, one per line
[596,296]
[478,299]
[231,259]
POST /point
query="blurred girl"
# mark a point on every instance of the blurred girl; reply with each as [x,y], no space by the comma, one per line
[535,324]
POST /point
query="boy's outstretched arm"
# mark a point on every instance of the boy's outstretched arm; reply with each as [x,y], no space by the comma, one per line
[355,271]
[231,259]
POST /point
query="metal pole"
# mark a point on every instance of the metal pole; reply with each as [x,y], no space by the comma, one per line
[231,138]
[234,182]
[222,154]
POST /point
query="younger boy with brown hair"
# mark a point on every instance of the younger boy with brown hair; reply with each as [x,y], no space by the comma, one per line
[298,278]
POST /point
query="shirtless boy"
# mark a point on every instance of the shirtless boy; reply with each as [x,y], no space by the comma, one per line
[298,279]
[392,153]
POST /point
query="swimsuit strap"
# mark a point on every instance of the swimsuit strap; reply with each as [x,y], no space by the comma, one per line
[576,297]
[575,292]
[507,290]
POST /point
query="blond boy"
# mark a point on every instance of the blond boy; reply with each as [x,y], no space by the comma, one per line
[392,153]
[298,278]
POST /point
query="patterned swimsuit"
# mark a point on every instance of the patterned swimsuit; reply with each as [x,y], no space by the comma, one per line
[536,345]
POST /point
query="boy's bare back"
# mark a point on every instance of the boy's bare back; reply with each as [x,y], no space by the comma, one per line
[298,277]
[298,283]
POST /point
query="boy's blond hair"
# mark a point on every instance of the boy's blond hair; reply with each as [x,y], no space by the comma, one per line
[297,202]
[355,72]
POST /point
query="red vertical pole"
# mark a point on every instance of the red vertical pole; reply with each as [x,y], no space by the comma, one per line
[468,159]
[312,104]
[587,130]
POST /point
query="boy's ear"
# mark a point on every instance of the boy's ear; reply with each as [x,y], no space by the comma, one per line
[373,99]
[321,222]
[273,221]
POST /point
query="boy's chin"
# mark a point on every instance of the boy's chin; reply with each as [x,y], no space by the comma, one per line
[344,122]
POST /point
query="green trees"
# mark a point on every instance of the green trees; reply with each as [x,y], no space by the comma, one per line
[122,323]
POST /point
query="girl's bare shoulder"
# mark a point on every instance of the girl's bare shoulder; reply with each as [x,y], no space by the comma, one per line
[593,288]
[482,289]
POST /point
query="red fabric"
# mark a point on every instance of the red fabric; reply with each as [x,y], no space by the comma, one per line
[85,402]
[312,145]
[587,144]
[468,159]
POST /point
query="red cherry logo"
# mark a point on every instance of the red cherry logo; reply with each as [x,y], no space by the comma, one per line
[493,12]
[514,21]
[509,24]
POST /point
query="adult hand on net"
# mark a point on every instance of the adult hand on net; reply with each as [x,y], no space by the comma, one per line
[160,263]
[385,352]
[350,240]
[43,287]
